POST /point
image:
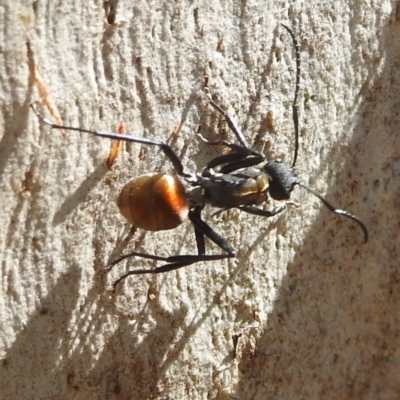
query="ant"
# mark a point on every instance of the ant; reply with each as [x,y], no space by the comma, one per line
[159,201]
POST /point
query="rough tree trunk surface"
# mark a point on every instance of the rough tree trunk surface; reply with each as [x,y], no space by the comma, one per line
[306,310]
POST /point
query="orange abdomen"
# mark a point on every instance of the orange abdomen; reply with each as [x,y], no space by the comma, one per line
[154,202]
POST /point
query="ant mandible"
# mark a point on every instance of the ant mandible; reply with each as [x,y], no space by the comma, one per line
[159,201]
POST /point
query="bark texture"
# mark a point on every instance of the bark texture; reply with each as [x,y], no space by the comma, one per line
[306,310]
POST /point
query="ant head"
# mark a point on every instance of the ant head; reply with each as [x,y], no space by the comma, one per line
[281,179]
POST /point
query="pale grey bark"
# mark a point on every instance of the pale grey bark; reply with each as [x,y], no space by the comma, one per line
[317,310]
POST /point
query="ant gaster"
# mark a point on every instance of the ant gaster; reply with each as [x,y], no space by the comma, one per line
[159,201]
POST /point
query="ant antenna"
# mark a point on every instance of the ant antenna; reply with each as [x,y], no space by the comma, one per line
[296,93]
[344,213]
[283,178]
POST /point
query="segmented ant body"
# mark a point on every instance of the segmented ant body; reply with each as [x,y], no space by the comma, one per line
[159,201]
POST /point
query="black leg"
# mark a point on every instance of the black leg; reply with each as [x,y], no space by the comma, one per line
[171,155]
[231,123]
[260,212]
[206,230]
[240,157]
[176,262]
[201,246]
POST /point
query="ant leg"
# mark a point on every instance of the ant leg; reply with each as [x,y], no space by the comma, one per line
[235,128]
[171,155]
[241,157]
[233,161]
[254,211]
[206,230]
[176,262]
[231,123]
[260,212]
[235,147]
[201,246]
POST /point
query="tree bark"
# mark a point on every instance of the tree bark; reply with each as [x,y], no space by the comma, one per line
[306,309]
